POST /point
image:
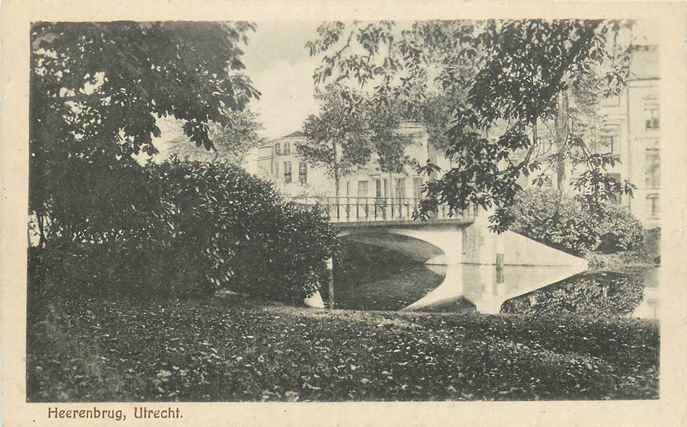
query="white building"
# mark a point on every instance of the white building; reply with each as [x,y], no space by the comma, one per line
[279,162]
[632,129]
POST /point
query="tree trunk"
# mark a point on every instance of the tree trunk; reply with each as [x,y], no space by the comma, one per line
[336,171]
[337,213]
[533,148]
[561,139]
[337,182]
[429,151]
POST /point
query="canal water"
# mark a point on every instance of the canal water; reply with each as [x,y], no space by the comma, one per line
[482,288]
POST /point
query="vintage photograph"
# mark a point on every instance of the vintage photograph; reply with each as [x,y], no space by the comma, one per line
[318,211]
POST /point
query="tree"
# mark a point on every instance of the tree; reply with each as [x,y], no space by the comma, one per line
[498,83]
[339,137]
[387,140]
[231,142]
[348,130]
[96,91]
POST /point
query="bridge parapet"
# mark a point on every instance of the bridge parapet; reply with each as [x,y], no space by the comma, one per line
[380,210]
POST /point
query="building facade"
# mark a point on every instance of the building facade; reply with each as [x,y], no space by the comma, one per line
[279,162]
[631,129]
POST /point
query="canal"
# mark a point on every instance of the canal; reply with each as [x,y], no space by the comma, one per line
[380,279]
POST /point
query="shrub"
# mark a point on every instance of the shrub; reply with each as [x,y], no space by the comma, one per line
[211,226]
[569,224]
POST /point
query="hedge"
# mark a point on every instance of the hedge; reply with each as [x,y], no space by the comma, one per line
[205,226]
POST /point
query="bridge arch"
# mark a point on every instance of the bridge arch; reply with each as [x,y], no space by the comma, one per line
[416,249]
[439,244]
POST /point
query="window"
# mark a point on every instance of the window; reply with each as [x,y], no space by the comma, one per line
[378,188]
[277,149]
[287,148]
[303,173]
[276,169]
[400,188]
[654,206]
[348,188]
[417,188]
[651,118]
[652,169]
[608,141]
[287,172]
[362,188]
[610,144]
[594,145]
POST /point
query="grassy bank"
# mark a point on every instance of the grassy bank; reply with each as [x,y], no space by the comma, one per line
[91,350]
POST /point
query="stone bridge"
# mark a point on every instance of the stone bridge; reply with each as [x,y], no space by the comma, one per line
[479,266]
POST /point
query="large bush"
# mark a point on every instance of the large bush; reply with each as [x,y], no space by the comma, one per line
[204,226]
[569,224]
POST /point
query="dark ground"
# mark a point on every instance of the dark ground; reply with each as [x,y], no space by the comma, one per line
[219,350]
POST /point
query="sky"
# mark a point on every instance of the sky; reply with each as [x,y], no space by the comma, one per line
[281,69]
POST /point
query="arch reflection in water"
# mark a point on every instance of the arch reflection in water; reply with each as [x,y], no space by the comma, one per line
[485,287]
[408,285]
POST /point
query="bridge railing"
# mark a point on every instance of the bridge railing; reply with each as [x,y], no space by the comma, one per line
[376,209]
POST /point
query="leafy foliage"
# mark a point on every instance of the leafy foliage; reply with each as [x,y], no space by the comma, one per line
[95,350]
[96,91]
[387,139]
[483,89]
[212,226]
[231,142]
[352,128]
[337,138]
[572,225]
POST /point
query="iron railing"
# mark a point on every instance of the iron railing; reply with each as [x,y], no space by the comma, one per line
[376,209]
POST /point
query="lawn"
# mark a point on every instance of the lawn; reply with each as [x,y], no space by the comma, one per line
[223,350]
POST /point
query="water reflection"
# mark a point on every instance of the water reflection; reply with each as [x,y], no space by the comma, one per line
[594,294]
[485,287]
[384,288]
[524,289]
